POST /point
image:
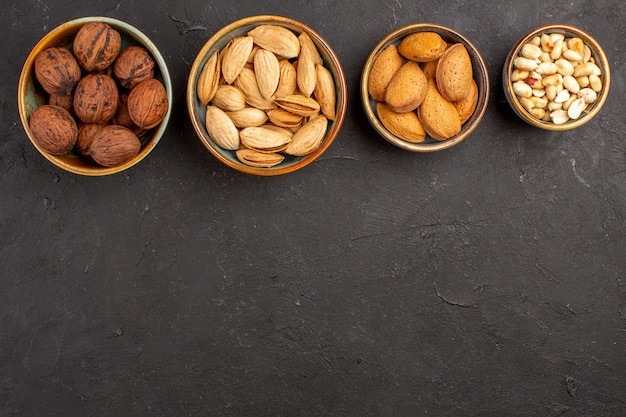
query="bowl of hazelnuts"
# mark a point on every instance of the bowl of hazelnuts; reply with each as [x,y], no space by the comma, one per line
[94,96]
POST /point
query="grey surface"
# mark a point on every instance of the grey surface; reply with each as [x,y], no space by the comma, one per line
[484,280]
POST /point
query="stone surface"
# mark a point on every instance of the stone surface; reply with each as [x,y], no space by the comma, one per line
[484,280]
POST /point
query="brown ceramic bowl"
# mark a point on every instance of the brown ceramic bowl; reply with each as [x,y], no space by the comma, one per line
[197,110]
[480,76]
[596,52]
[31,95]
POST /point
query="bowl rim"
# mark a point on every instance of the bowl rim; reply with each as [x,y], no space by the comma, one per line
[472,123]
[27,77]
[203,55]
[597,52]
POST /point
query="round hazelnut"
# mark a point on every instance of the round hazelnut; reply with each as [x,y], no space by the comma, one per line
[133,65]
[114,145]
[147,103]
[57,70]
[96,46]
[54,129]
[96,98]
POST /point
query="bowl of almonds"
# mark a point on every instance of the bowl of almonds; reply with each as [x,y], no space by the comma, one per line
[94,96]
[424,87]
[556,77]
[266,95]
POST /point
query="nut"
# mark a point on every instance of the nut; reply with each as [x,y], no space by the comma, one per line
[133,65]
[148,103]
[563,77]
[96,46]
[257,159]
[209,78]
[276,39]
[422,46]
[407,89]
[309,137]
[267,72]
[221,128]
[57,70]
[96,98]
[383,69]
[114,145]
[406,125]
[236,57]
[86,133]
[54,129]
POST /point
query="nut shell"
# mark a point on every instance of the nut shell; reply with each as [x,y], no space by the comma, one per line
[96,99]
[96,46]
[114,145]
[86,133]
[54,129]
[57,70]
[133,65]
[148,103]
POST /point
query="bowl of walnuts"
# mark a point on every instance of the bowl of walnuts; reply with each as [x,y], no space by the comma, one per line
[424,87]
[94,96]
[266,95]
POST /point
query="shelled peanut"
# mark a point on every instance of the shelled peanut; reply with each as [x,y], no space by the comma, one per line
[556,77]
[267,95]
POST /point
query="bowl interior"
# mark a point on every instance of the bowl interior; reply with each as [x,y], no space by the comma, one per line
[596,51]
[197,110]
[31,95]
[480,76]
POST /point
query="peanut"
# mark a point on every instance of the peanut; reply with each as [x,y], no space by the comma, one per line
[556,78]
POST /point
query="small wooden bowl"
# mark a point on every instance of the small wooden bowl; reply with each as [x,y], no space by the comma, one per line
[31,95]
[197,111]
[480,76]
[596,52]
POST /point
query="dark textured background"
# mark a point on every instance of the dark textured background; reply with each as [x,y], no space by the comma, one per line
[485,280]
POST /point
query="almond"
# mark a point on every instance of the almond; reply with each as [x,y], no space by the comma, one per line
[404,125]
[383,68]
[407,88]
[422,46]
[438,116]
[454,73]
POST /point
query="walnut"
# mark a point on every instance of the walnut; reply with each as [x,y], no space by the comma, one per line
[114,145]
[147,103]
[133,65]
[54,129]
[86,133]
[96,98]
[57,70]
[62,100]
[96,46]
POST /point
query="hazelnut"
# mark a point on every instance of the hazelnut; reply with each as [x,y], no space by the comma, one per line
[147,103]
[54,129]
[96,46]
[132,66]
[57,70]
[86,133]
[96,98]
[114,145]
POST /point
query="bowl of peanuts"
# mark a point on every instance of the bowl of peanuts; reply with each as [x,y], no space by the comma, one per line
[556,77]
[266,95]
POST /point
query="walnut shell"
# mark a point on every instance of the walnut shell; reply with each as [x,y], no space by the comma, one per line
[132,66]
[86,133]
[96,46]
[147,103]
[96,99]
[54,129]
[114,145]
[57,70]
[62,100]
